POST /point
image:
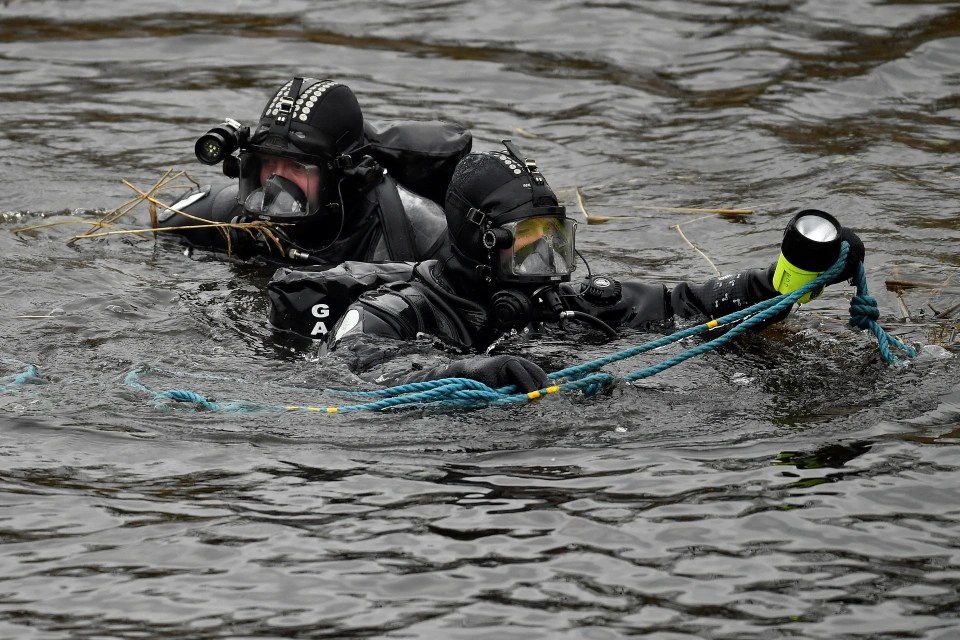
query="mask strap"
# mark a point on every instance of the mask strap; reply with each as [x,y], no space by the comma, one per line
[538,184]
[281,124]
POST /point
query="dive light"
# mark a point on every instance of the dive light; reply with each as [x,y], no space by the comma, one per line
[220,141]
[811,244]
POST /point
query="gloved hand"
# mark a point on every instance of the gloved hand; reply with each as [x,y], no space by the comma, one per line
[854,256]
[500,371]
[242,242]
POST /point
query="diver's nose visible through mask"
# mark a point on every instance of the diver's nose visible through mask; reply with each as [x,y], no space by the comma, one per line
[535,249]
[279,188]
[541,257]
[278,199]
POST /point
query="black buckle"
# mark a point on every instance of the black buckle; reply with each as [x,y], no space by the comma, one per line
[476,216]
[284,106]
[343,162]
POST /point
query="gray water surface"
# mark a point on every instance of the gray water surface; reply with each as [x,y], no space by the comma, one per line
[790,485]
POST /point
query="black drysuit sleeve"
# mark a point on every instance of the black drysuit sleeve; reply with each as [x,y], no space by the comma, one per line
[655,307]
[724,295]
[216,204]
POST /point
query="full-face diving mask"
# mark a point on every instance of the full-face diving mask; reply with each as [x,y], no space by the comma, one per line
[278,188]
[534,250]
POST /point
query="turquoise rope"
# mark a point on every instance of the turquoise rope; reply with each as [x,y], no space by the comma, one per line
[462,391]
[30,375]
[465,393]
[182,395]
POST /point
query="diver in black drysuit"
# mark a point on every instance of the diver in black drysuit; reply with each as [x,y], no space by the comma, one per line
[513,251]
[324,185]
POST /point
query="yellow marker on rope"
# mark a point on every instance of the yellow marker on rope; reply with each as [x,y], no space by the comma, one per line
[713,324]
[294,407]
[533,395]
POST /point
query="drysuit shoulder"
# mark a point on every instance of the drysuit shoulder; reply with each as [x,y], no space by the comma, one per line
[310,302]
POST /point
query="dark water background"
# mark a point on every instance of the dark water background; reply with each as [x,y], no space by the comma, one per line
[791,485]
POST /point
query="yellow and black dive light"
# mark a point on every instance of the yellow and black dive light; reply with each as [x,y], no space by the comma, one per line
[811,244]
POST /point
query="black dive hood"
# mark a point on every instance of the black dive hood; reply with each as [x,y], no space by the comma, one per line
[489,190]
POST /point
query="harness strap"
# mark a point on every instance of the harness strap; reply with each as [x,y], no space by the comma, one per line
[397,230]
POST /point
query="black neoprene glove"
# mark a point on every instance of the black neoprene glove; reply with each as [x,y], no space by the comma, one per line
[854,256]
[500,371]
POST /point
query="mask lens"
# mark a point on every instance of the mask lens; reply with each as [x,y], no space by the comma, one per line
[286,187]
[277,199]
[542,247]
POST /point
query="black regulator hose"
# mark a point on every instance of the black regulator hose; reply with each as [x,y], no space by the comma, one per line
[592,320]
